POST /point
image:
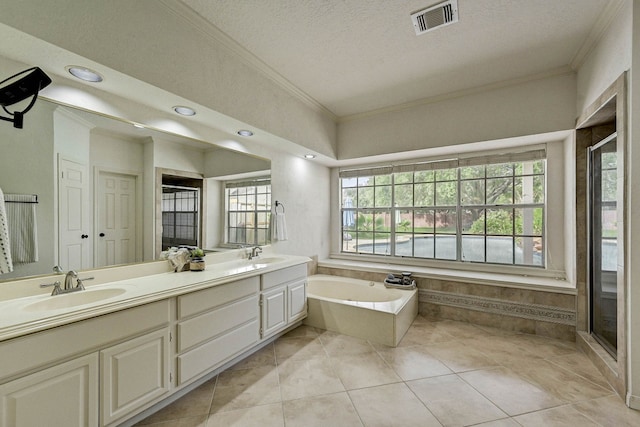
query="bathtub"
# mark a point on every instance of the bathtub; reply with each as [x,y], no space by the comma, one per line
[360,308]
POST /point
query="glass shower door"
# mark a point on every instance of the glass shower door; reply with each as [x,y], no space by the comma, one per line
[603,243]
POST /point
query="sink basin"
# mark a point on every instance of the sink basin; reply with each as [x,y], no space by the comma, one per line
[57,302]
[265,262]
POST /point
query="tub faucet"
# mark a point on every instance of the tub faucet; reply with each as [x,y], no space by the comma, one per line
[255,252]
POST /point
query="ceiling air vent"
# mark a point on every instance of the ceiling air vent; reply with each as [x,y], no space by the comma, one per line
[435,16]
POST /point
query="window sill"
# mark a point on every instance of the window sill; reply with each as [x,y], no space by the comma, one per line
[520,281]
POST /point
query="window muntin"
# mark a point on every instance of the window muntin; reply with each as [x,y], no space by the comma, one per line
[248,212]
[474,210]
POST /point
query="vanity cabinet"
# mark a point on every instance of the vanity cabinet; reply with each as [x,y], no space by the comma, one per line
[63,395]
[283,299]
[133,374]
[215,325]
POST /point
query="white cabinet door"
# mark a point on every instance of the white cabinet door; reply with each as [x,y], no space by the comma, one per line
[274,310]
[297,301]
[64,395]
[133,374]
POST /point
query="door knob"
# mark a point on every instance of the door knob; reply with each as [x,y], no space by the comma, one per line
[85,236]
[101,234]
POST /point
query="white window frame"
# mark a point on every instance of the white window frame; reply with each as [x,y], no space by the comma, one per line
[257,211]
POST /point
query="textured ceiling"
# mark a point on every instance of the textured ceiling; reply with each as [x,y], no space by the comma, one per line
[355,56]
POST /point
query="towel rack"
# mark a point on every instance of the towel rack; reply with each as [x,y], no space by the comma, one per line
[278,204]
[21,198]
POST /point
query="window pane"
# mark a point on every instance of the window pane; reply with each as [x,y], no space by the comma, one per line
[503,169]
[365,197]
[404,220]
[382,220]
[349,182]
[381,244]
[528,221]
[423,176]
[403,178]
[609,185]
[404,245]
[528,251]
[424,246]
[472,172]
[364,221]
[424,220]
[424,194]
[472,192]
[473,221]
[446,193]
[446,221]
[500,250]
[446,174]
[365,180]
[404,195]
[383,196]
[473,248]
[446,247]
[382,180]
[528,189]
[500,221]
[500,191]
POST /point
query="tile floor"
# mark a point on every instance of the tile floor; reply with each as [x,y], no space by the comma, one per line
[442,374]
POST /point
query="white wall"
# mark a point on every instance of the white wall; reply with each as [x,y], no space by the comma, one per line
[607,61]
[529,108]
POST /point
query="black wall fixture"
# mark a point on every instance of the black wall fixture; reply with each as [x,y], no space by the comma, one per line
[19,87]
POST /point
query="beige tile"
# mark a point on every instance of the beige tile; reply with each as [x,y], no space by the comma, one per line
[264,356]
[300,348]
[301,331]
[304,378]
[245,388]
[560,416]
[505,422]
[509,391]
[263,416]
[460,357]
[609,411]
[391,405]
[198,421]
[460,330]
[544,347]
[454,402]
[338,345]
[333,410]
[422,333]
[412,363]
[193,404]
[363,370]
[580,364]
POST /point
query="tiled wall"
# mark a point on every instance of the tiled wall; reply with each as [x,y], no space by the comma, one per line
[546,313]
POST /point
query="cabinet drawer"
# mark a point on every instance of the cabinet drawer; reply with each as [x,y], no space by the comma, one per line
[197,302]
[284,275]
[208,325]
[24,354]
[215,352]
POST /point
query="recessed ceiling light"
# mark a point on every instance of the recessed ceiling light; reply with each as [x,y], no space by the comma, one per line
[185,111]
[309,156]
[245,132]
[85,74]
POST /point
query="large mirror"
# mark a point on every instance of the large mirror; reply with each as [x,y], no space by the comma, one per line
[87,191]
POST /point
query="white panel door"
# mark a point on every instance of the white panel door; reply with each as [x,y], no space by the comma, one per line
[116,213]
[74,247]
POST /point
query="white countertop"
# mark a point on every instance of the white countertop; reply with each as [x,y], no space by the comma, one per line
[19,316]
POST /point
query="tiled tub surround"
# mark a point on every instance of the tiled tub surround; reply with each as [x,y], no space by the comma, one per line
[360,308]
[512,308]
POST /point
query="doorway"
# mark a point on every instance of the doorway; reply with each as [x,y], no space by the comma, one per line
[603,243]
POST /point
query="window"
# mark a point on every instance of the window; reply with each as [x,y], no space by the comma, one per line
[180,217]
[248,210]
[486,209]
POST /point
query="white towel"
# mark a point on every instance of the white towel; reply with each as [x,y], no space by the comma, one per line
[280,226]
[23,230]
[6,263]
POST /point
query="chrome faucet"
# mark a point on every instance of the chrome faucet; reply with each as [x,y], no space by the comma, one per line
[68,284]
[255,252]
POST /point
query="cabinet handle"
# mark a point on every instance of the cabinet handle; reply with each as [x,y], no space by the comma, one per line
[84,236]
[101,234]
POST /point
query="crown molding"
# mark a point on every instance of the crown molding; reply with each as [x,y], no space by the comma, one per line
[603,23]
[220,38]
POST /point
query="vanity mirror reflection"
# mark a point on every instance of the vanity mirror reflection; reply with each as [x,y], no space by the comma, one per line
[98,182]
